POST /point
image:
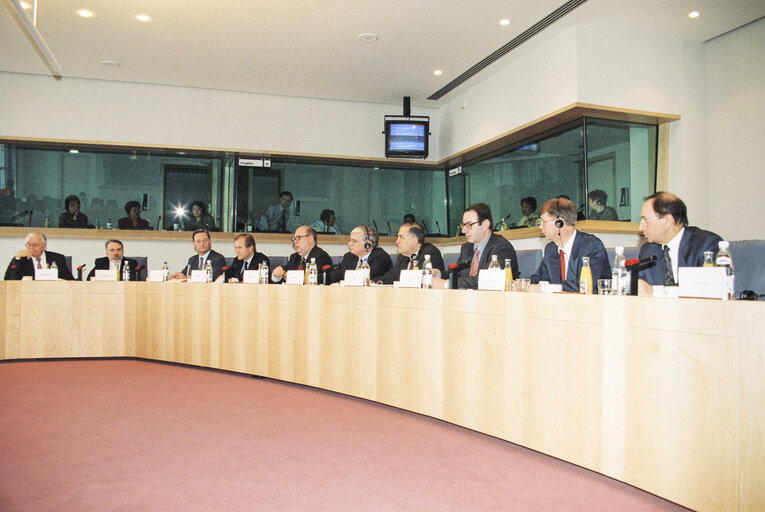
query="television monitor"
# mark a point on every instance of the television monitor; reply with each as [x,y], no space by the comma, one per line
[406,138]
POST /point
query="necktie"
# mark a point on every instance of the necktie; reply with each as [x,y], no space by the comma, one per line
[201,263]
[302,264]
[38,263]
[474,263]
[562,265]
[244,266]
[669,275]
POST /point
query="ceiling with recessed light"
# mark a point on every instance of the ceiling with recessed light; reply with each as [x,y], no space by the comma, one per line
[313,48]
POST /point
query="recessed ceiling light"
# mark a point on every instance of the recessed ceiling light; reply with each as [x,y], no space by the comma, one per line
[694,14]
[505,21]
[85,13]
[437,72]
[74,151]
[368,37]
[110,64]
[142,17]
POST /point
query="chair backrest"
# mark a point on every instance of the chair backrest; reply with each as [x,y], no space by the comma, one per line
[528,261]
[142,262]
[748,258]
[69,264]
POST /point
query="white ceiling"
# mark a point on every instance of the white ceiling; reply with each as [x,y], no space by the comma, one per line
[310,47]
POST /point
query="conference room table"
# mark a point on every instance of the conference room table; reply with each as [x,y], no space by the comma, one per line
[664,394]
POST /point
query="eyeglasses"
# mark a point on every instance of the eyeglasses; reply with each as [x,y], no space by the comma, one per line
[542,221]
[468,225]
[298,237]
[644,221]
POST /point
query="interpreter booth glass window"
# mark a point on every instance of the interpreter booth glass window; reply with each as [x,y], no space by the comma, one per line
[356,195]
[163,186]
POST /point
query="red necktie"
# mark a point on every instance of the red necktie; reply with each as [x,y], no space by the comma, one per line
[474,264]
[562,265]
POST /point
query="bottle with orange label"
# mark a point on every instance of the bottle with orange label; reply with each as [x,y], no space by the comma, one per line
[585,276]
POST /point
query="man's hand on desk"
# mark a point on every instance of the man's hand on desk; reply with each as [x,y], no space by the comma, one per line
[440,283]
[178,275]
[644,288]
[278,272]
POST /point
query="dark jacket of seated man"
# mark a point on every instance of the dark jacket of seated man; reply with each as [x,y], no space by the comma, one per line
[216,259]
[498,245]
[235,270]
[379,263]
[323,260]
[402,262]
[585,244]
[693,244]
[103,264]
[25,267]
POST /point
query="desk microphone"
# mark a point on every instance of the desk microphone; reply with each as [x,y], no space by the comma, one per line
[456,267]
[634,262]
[79,271]
[389,231]
[425,226]
[439,227]
[375,223]
[325,272]
[137,272]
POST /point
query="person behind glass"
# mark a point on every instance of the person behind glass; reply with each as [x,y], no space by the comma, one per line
[326,223]
[276,217]
[247,258]
[203,247]
[530,216]
[598,209]
[664,224]
[362,246]
[133,219]
[113,260]
[200,218]
[35,256]
[562,258]
[411,245]
[409,218]
[304,241]
[72,217]
[481,245]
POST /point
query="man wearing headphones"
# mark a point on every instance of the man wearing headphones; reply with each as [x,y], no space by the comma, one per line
[412,247]
[598,209]
[562,259]
[362,245]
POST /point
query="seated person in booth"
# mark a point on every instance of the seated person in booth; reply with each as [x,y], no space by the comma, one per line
[362,245]
[72,217]
[562,258]
[481,245]
[326,223]
[412,247]
[35,256]
[664,224]
[200,218]
[133,219]
[530,217]
[409,217]
[113,260]
[203,247]
[304,241]
[247,257]
[276,217]
[598,209]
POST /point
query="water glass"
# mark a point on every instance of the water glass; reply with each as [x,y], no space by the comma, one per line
[604,287]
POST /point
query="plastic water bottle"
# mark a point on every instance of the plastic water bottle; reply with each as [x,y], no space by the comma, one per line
[263,276]
[208,271]
[494,264]
[126,272]
[366,269]
[427,273]
[619,281]
[165,271]
[109,223]
[313,273]
[724,259]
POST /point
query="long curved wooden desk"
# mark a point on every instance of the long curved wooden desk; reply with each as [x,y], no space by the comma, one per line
[664,394]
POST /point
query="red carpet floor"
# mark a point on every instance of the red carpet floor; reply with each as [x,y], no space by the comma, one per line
[130,435]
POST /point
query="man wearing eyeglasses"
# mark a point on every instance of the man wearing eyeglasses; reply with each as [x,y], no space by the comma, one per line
[304,241]
[664,224]
[412,248]
[362,246]
[562,258]
[481,245]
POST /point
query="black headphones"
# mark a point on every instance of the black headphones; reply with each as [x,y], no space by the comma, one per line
[367,238]
[558,220]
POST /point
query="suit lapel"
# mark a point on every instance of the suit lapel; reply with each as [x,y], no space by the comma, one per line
[685,249]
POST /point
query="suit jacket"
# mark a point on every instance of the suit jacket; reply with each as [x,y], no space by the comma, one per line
[498,245]
[235,269]
[322,260]
[103,264]
[379,263]
[402,262]
[585,244]
[691,253]
[216,259]
[25,267]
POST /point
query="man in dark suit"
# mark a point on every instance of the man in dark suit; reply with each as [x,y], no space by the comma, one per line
[664,223]
[247,257]
[35,256]
[203,247]
[567,247]
[481,245]
[362,246]
[114,260]
[304,241]
[412,247]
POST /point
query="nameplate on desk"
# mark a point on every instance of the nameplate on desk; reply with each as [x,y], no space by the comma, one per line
[354,278]
[491,279]
[295,276]
[155,276]
[251,276]
[198,276]
[410,279]
[703,282]
[106,275]
[46,274]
